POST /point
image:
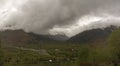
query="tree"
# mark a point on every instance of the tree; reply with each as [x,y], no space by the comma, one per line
[1,55]
[114,45]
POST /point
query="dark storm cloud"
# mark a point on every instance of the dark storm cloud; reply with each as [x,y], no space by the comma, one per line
[40,16]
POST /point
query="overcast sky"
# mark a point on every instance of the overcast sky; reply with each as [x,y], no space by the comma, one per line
[68,17]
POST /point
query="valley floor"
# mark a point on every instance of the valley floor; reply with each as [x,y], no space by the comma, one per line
[52,55]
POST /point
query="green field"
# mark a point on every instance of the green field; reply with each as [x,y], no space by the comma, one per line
[63,54]
[60,54]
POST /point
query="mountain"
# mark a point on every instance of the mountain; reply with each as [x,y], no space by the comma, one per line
[92,36]
[49,38]
[89,36]
[21,37]
[16,37]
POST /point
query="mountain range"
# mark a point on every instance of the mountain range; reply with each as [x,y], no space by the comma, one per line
[88,36]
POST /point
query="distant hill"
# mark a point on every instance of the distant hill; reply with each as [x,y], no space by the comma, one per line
[92,36]
[49,38]
[16,37]
[21,37]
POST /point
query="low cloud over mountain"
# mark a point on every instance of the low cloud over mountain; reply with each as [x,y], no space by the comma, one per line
[68,17]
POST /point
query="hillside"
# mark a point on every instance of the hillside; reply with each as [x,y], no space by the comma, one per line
[92,36]
[21,37]
[16,37]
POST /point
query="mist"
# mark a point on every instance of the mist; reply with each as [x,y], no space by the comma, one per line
[68,17]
